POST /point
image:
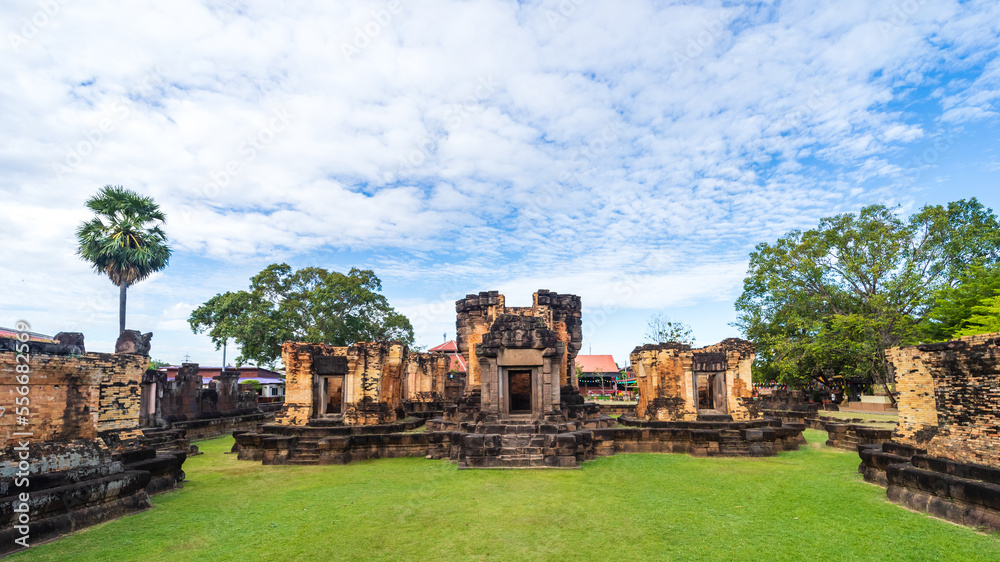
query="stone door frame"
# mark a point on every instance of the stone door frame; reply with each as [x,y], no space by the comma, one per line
[504,391]
[717,387]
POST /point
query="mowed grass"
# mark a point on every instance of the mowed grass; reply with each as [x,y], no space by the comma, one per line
[805,505]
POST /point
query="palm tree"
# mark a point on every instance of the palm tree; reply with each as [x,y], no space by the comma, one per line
[124,239]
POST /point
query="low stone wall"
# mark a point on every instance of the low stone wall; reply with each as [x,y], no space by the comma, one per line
[964,493]
[849,436]
[613,409]
[214,427]
[334,444]
[842,433]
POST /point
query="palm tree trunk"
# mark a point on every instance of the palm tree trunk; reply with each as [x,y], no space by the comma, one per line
[121,308]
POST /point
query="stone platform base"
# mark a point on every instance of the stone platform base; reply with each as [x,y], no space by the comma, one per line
[528,444]
[81,483]
[963,493]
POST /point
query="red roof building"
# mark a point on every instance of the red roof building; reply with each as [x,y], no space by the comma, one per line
[598,375]
[594,364]
[457,359]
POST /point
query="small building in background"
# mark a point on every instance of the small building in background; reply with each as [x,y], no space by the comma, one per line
[598,375]
[272,383]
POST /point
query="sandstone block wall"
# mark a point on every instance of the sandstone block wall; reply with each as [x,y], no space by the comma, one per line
[73,396]
[663,374]
[949,401]
[187,398]
[426,374]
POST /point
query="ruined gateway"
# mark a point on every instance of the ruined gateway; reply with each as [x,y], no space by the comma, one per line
[521,406]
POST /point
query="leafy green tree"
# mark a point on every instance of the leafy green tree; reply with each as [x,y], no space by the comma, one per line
[954,306]
[829,301]
[660,328]
[124,240]
[311,304]
[985,320]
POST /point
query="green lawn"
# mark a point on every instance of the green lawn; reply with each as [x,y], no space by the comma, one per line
[804,505]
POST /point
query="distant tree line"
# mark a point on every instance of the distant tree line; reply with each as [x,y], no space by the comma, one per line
[828,302]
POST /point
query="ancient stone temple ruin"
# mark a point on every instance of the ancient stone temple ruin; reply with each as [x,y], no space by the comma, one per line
[678,383]
[80,455]
[521,405]
[699,401]
[357,385]
[172,412]
[944,456]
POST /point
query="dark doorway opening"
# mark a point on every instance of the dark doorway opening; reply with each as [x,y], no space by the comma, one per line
[706,392]
[333,394]
[519,386]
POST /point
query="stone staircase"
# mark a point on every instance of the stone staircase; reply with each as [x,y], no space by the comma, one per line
[306,451]
[166,440]
[732,443]
[522,450]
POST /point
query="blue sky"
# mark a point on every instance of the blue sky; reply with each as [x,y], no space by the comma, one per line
[632,153]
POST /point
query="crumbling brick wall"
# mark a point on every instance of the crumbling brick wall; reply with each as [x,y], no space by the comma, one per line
[187,397]
[949,400]
[663,375]
[74,396]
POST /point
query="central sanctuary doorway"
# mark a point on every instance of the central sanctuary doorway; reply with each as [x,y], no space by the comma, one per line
[519,391]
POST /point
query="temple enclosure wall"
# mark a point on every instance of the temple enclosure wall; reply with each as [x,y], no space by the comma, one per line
[361,384]
[73,396]
[944,456]
[949,402]
[75,450]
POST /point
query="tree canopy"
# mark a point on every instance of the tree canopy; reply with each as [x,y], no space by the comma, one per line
[310,304]
[124,240]
[660,328]
[829,301]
